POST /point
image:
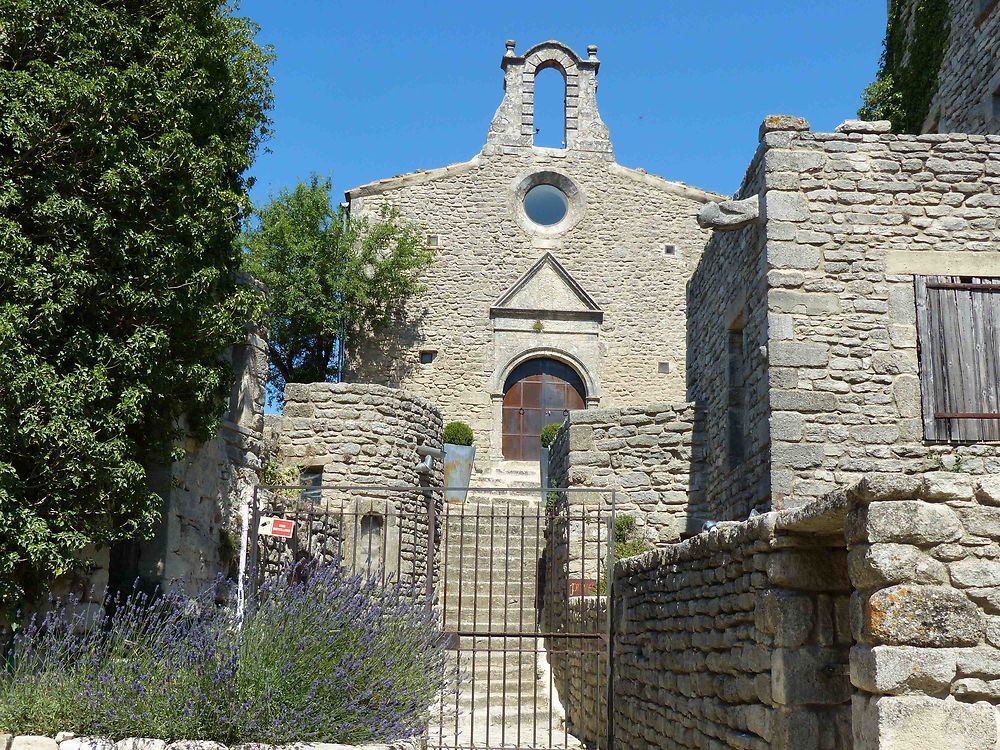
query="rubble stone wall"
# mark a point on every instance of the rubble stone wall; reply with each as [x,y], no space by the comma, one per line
[925,565]
[863,619]
[203,493]
[970,74]
[363,437]
[735,638]
[727,291]
[650,456]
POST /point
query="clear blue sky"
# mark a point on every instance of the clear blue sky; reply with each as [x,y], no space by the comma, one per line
[366,90]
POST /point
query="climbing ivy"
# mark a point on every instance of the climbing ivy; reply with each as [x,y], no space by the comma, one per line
[916,40]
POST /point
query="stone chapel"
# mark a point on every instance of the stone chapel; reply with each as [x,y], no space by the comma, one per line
[559,277]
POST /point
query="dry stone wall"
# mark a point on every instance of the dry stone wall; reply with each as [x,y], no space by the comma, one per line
[651,456]
[863,619]
[969,80]
[736,638]
[360,438]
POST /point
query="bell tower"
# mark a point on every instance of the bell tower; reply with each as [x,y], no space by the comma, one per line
[513,125]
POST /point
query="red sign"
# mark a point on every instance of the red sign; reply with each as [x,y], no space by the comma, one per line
[582,586]
[279,527]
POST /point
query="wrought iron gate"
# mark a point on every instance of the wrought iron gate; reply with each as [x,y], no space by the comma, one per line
[518,577]
[521,598]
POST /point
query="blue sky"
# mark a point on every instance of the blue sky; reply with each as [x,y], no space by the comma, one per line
[366,90]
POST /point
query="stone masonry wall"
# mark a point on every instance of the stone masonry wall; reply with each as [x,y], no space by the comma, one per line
[364,437]
[735,638]
[630,243]
[728,288]
[925,565]
[650,455]
[849,218]
[866,619]
[204,492]
[969,78]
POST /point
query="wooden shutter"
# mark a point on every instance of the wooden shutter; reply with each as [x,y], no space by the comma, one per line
[958,339]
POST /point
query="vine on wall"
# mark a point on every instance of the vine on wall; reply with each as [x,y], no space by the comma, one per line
[916,41]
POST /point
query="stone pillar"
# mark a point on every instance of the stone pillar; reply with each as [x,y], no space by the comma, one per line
[925,562]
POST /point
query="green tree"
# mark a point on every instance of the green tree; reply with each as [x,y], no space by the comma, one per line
[330,278]
[125,132]
[916,40]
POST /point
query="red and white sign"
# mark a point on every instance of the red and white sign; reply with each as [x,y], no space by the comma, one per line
[280,527]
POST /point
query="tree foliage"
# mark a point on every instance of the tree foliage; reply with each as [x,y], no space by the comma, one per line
[330,278]
[916,40]
[125,130]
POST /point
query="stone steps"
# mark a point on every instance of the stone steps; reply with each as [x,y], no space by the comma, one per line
[502,688]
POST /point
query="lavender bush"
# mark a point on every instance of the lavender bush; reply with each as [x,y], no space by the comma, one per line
[325,657]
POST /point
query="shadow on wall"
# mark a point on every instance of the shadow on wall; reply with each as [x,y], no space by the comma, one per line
[727,372]
[389,357]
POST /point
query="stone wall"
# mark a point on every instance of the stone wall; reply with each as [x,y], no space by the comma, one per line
[203,493]
[969,78]
[850,217]
[832,387]
[864,619]
[726,294]
[735,638]
[925,565]
[617,316]
[650,456]
[362,438]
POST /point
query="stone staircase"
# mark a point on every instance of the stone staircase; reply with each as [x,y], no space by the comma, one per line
[502,694]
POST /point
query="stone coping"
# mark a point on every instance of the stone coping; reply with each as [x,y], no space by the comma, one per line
[70,741]
[822,516]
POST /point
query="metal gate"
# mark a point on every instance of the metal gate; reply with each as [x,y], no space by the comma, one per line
[518,577]
[521,598]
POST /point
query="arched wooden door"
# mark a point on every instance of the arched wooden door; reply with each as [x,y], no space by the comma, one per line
[537,393]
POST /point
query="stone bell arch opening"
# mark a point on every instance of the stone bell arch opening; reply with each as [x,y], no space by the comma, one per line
[538,392]
[550,108]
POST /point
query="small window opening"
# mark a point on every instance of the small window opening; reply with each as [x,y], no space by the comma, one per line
[545,204]
[995,104]
[311,477]
[427,356]
[550,108]
[432,240]
[737,394]
[370,542]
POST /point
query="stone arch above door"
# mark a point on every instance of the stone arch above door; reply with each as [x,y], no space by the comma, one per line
[539,391]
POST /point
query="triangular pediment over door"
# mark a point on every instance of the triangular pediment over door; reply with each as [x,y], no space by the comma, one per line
[547,290]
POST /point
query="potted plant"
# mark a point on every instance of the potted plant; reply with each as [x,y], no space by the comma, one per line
[459,455]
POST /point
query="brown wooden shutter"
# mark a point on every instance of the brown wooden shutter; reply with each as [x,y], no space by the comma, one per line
[958,339]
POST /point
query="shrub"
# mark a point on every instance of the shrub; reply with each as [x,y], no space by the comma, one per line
[628,543]
[458,433]
[548,433]
[325,657]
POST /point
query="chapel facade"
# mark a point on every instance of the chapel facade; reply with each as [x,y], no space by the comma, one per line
[559,276]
